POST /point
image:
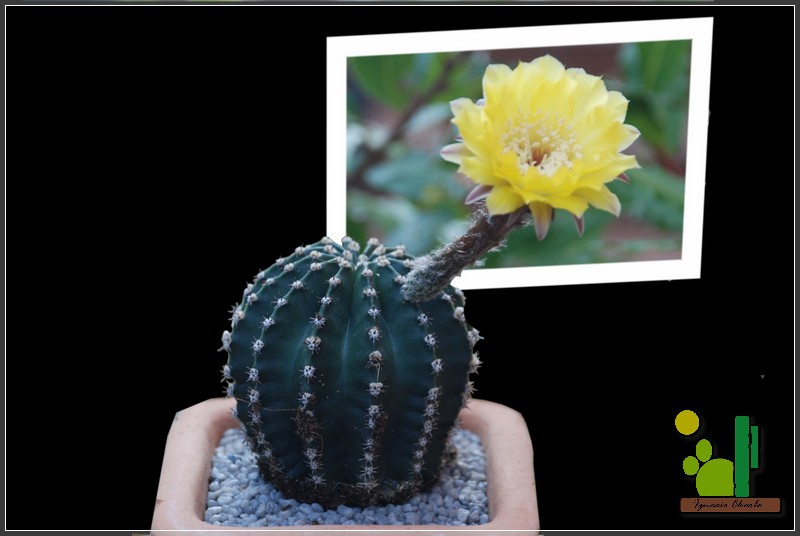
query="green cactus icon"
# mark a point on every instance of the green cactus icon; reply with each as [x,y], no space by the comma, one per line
[720,477]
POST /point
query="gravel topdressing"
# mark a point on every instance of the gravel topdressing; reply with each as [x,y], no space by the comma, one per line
[239,496]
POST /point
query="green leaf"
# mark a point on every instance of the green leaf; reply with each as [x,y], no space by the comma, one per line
[657,84]
[665,65]
[421,177]
[380,77]
[395,80]
[654,195]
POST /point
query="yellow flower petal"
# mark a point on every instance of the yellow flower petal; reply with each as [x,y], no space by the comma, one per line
[590,93]
[494,85]
[633,133]
[503,200]
[602,199]
[618,105]
[459,105]
[607,173]
[543,136]
[479,170]
[572,203]
[551,68]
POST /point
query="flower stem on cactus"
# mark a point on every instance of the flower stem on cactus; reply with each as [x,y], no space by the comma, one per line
[435,271]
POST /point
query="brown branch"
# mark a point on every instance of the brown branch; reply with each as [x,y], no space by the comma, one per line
[378,154]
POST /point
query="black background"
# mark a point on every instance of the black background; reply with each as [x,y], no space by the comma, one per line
[159,156]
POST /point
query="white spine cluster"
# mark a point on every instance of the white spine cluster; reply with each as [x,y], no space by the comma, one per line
[255,417]
[374,334]
[473,336]
[312,343]
[474,363]
[238,315]
[372,420]
[252,374]
[375,360]
[318,321]
[226,341]
[375,388]
[314,463]
[370,292]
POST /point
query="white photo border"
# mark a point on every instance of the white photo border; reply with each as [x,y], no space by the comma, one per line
[698,30]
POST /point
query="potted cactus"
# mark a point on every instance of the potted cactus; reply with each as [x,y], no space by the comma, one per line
[349,368]
[340,380]
[349,391]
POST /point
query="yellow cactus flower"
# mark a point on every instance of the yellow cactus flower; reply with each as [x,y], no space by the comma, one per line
[543,136]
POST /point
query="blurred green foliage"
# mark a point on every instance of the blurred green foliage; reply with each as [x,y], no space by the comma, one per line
[657,84]
[401,191]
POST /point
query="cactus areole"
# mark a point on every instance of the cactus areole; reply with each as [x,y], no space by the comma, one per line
[348,392]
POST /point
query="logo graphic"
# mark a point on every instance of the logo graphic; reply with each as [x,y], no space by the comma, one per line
[717,480]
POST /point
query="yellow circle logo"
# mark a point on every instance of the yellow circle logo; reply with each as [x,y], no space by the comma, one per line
[687,422]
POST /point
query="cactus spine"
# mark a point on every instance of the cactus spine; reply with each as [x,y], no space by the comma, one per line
[348,392]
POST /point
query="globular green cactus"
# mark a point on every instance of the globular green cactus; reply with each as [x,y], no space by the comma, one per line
[349,392]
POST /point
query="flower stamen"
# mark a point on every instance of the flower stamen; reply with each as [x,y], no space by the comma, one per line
[544,141]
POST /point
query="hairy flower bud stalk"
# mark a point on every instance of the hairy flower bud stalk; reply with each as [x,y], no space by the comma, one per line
[434,272]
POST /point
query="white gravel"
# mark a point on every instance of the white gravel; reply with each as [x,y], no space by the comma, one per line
[239,496]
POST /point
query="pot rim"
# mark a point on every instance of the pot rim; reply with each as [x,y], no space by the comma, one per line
[196,431]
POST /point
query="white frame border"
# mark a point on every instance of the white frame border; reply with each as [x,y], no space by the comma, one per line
[698,30]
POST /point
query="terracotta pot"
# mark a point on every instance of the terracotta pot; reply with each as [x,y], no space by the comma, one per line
[196,432]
